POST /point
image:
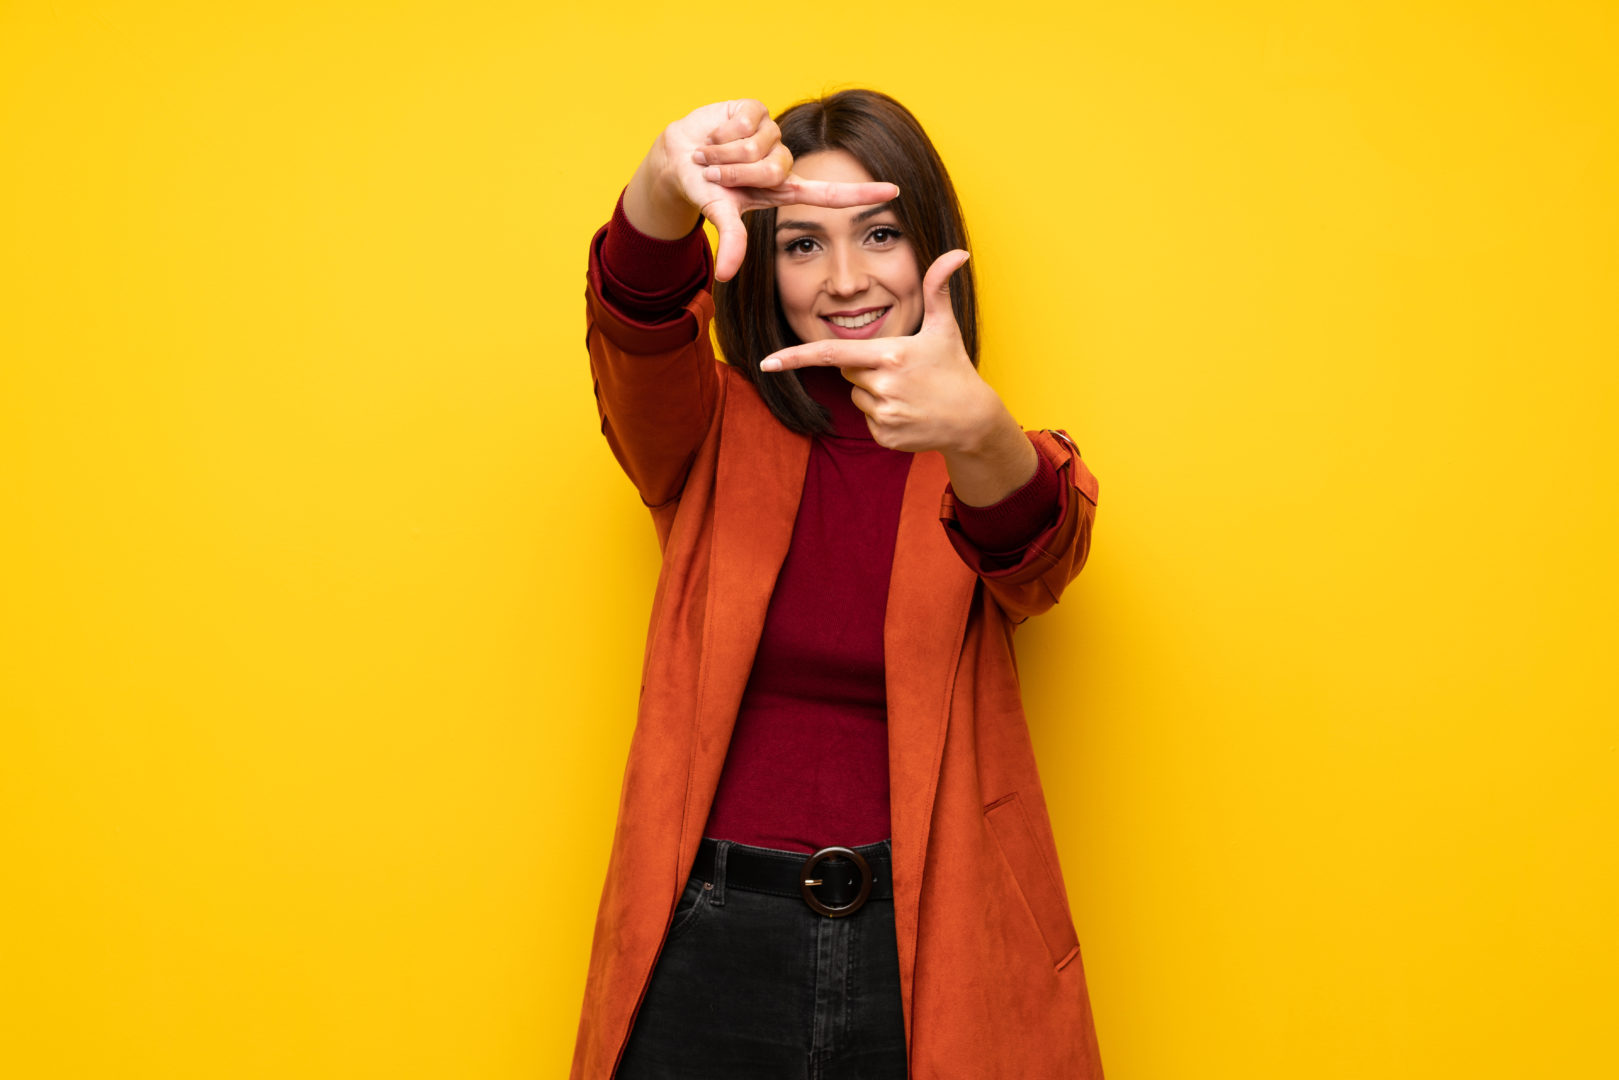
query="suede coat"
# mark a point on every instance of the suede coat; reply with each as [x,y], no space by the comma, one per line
[990,970]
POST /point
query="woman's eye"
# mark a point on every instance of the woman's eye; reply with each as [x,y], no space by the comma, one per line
[884,234]
[802,246]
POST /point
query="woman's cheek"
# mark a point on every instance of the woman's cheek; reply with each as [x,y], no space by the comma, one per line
[799,315]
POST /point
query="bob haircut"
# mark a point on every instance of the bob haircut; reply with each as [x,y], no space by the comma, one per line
[885,138]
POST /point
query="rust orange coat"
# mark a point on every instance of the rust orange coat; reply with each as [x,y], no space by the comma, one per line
[990,968]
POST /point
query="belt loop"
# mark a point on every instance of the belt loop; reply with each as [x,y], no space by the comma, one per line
[717,897]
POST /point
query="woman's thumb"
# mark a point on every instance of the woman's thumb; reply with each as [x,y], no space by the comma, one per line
[936,287]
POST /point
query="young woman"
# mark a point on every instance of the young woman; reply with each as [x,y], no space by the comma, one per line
[833,857]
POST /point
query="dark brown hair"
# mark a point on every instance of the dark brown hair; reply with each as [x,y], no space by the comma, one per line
[885,138]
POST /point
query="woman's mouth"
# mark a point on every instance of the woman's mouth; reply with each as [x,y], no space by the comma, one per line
[858,324]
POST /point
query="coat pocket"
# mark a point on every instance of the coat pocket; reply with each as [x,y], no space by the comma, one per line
[1035,875]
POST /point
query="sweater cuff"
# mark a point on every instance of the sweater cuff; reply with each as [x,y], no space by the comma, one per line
[647,279]
[1006,528]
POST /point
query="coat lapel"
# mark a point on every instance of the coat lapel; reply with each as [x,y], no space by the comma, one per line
[759,480]
[930,596]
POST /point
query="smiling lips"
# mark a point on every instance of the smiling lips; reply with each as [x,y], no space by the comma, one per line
[862,323]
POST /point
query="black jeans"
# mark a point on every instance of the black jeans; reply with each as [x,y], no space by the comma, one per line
[758,987]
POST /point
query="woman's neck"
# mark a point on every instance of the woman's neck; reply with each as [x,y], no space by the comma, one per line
[829,388]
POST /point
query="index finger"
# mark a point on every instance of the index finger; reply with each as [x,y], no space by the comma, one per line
[832,193]
[833,353]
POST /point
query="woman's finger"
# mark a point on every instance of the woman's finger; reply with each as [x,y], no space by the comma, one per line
[749,148]
[795,189]
[768,173]
[733,243]
[937,314]
[837,353]
[864,400]
[742,119]
[869,381]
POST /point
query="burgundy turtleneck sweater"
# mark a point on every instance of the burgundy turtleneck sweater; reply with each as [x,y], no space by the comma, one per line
[808,761]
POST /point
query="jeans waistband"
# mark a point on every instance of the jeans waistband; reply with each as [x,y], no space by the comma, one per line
[837,879]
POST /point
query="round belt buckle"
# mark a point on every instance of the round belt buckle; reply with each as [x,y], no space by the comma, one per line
[808,881]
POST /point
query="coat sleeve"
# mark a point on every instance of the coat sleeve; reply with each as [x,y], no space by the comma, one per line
[1035,581]
[657,385]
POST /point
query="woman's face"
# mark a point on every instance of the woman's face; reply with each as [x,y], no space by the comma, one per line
[845,273]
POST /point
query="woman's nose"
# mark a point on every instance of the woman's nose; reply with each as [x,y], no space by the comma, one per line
[846,274]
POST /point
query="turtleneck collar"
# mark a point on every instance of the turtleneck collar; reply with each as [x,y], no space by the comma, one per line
[829,388]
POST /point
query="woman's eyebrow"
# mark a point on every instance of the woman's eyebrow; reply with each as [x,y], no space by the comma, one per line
[866,215]
[810,226]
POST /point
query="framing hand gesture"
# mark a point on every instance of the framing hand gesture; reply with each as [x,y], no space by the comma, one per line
[919,392]
[721,160]
[922,393]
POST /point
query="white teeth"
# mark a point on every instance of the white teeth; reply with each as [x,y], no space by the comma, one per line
[854,322]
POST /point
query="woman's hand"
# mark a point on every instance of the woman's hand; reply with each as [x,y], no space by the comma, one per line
[923,393]
[718,161]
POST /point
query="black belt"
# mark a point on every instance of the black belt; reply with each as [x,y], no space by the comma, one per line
[834,881]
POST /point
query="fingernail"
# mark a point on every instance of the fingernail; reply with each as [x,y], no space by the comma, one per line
[770,363]
[712,173]
[699,157]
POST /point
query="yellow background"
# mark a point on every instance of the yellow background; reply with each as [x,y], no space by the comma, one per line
[323,600]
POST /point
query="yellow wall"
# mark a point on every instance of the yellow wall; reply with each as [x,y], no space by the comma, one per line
[322,601]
